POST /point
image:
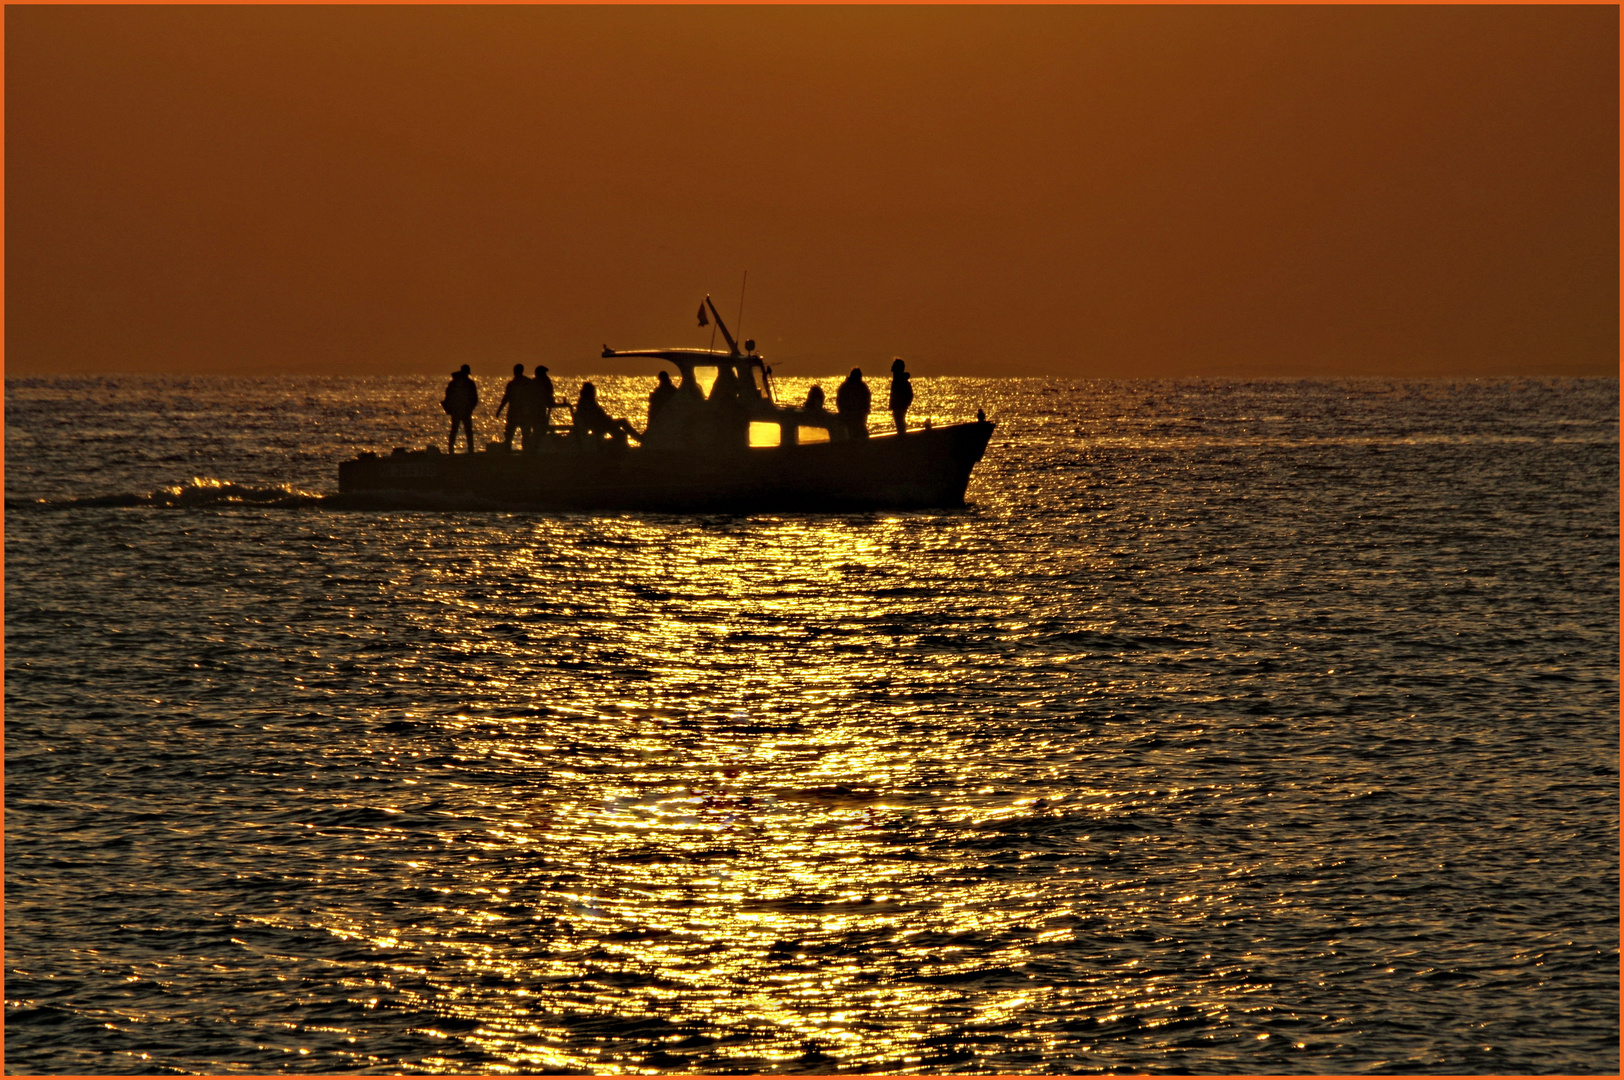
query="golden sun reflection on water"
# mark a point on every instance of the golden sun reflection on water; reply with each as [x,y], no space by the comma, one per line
[742,830]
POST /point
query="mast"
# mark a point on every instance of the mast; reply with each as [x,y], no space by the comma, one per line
[722,326]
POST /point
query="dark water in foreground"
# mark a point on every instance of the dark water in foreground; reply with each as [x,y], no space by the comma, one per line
[1260,727]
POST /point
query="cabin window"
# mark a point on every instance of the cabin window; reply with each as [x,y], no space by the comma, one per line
[763,433]
[806,434]
[706,378]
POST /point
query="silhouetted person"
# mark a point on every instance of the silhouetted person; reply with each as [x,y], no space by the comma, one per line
[852,402]
[660,397]
[541,404]
[814,414]
[592,423]
[726,386]
[517,399]
[461,395]
[901,395]
[682,415]
[729,412]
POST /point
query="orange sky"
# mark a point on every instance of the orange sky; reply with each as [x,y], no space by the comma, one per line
[1094,191]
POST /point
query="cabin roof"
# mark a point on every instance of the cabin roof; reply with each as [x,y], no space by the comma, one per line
[686,357]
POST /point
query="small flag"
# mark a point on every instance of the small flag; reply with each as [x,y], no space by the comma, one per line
[702,320]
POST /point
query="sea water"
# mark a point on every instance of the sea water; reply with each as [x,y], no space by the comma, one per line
[1232,726]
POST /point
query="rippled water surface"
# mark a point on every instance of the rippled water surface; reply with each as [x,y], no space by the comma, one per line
[1233,727]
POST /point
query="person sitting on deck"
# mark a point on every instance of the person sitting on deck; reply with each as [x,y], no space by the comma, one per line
[461,395]
[814,414]
[852,402]
[517,400]
[593,424]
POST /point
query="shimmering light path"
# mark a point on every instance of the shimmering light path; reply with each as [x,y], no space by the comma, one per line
[1259,727]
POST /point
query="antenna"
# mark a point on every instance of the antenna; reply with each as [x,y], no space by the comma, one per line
[738,323]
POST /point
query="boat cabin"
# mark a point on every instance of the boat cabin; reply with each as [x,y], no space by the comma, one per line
[769,423]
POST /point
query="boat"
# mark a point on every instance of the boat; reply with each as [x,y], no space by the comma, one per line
[731,449]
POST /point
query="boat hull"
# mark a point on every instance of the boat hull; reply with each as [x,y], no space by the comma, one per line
[922,469]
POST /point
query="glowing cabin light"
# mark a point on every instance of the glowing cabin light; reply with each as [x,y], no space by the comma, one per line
[763,433]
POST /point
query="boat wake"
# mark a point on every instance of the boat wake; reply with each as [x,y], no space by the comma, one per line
[201,492]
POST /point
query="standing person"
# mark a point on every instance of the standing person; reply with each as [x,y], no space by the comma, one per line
[541,404]
[461,395]
[852,403]
[729,413]
[682,415]
[663,392]
[516,399]
[901,394]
